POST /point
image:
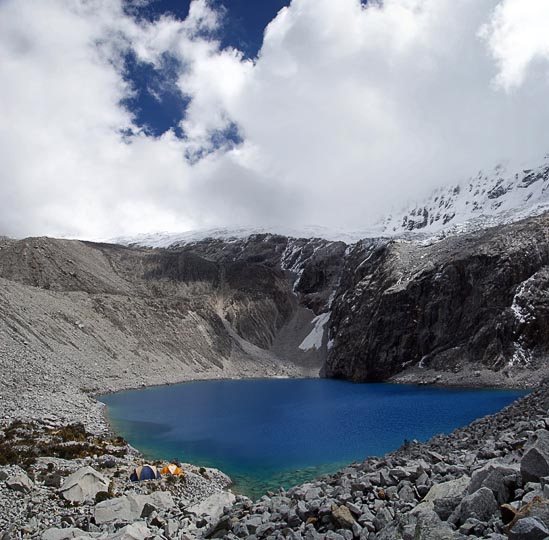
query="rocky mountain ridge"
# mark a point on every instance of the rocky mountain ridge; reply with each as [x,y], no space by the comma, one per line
[504,195]
[471,302]
[369,311]
[498,197]
[478,299]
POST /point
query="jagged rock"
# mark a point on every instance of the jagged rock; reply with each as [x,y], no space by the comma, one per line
[383,517]
[221,528]
[424,525]
[130,507]
[535,463]
[135,531]
[481,505]
[500,478]
[213,506]
[528,528]
[63,534]
[83,485]
[20,482]
[342,516]
[445,495]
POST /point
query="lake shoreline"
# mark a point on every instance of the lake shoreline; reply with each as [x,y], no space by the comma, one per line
[414,469]
[268,410]
[414,376]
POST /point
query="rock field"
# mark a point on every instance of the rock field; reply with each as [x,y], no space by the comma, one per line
[487,480]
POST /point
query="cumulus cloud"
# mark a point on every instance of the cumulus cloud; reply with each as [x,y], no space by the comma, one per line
[517,36]
[348,111]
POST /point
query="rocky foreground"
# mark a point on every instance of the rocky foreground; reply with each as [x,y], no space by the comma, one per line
[487,480]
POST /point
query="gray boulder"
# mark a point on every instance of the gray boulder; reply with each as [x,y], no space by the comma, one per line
[501,479]
[135,531]
[63,534]
[213,506]
[20,482]
[481,505]
[528,528]
[130,507]
[535,462]
[445,495]
[424,525]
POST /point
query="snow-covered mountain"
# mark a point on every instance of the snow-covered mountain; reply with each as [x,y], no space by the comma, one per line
[166,239]
[502,196]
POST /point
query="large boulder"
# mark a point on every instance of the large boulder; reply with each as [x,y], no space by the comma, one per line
[423,525]
[444,497]
[69,533]
[481,505]
[135,531]
[342,516]
[500,478]
[130,507]
[528,528]
[83,485]
[213,506]
[20,482]
[535,462]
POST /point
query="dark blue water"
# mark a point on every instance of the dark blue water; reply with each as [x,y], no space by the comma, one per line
[267,433]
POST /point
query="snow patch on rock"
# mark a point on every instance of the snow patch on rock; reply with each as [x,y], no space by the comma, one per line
[314,338]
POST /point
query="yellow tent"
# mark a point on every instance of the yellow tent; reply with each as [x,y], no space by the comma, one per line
[171,469]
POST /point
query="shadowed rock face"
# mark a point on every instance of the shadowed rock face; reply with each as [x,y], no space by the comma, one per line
[314,265]
[480,297]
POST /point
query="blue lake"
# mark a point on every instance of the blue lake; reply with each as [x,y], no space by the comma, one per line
[268,433]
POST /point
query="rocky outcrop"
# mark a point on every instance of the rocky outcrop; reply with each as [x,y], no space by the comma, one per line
[313,264]
[479,298]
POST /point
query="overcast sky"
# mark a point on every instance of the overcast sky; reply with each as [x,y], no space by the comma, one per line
[119,117]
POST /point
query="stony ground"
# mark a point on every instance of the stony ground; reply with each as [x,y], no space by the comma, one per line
[39,459]
[487,480]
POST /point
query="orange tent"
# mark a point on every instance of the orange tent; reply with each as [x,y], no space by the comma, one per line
[171,469]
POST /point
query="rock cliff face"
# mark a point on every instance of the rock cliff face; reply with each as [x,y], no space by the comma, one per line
[480,298]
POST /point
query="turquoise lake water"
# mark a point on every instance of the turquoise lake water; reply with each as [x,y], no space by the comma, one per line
[271,433]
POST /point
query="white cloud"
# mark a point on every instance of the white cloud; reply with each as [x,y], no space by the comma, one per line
[518,36]
[346,112]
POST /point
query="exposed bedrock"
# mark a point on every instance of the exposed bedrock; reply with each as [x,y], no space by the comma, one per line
[480,298]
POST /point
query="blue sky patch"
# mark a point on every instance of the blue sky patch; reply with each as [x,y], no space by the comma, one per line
[157,104]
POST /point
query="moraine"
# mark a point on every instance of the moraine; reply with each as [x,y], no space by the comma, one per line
[267,433]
